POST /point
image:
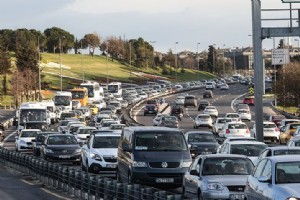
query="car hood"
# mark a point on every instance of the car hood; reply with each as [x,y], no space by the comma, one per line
[26,139]
[164,156]
[228,180]
[65,146]
[204,144]
[290,189]
[106,151]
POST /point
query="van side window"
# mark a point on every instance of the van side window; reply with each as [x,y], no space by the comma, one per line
[126,138]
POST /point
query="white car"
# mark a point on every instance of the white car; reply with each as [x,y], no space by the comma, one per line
[251,149]
[157,119]
[234,129]
[220,121]
[271,132]
[83,133]
[203,120]
[180,100]
[143,95]
[224,86]
[117,128]
[211,110]
[105,124]
[244,114]
[100,153]
[234,116]
[24,140]
[100,104]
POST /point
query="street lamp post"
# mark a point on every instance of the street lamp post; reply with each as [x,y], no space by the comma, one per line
[60,64]
[298,45]
[198,61]
[107,80]
[224,60]
[213,55]
[81,58]
[39,64]
[176,61]
[130,63]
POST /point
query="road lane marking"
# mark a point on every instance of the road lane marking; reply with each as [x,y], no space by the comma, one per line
[232,102]
[7,137]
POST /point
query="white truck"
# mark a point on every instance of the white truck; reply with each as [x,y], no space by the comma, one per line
[52,110]
[64,100]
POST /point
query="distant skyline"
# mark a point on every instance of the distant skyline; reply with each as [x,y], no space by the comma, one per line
[188,22]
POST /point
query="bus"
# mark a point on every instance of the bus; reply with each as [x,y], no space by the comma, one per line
[95,91]
[32,115]
[115,88]
[63,99]
[80,94]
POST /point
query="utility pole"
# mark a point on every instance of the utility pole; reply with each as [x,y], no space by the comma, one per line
[224,60]
[60,63]
[198,59]
[176,61]
[39,64]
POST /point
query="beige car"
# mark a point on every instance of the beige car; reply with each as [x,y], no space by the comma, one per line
[190,100]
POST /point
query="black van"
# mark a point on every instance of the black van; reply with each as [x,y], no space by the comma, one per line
[155,156]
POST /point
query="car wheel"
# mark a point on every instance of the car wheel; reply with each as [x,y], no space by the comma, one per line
[82,167]
[119,179]
[183,191]
[200,196]
[144,114]
[130,181]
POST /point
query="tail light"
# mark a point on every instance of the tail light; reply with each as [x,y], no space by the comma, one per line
[276,129]
[145,108]
[247,131]
[227,131]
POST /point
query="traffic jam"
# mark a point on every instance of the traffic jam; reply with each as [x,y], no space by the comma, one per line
[214,155]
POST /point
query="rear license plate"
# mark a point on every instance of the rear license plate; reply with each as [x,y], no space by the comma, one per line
[237,197]
[111,165]
[150,111]
[64,156]
[164,180]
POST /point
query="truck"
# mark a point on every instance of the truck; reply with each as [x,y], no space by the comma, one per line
[52,110]
[80,94]
[63,99]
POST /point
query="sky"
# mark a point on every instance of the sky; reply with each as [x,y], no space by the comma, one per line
[225,23]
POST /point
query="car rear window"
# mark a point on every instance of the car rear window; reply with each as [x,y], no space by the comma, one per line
[270,126]
[294,126]
[189,98]
[286,152]
[204,117]
[237,126]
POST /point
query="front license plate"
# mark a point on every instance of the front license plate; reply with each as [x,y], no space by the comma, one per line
[111,165]
[150,111]
[237,197]
[64,156]
[164,180]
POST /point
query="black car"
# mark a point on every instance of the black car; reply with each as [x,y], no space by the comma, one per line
[150,109]
[37,142]
[176,110]
[61,147]
[201,142]
[203,104]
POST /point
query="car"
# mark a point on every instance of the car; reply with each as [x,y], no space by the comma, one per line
[76,104]
[209,85]
[117,128]
[203,120]
[150,109]
[61,148]
[201,142]
[74,127]
[251,149]
[65,115]
[235,117]
[243,106]
[24,139]
[100,117]
[83,133]
[124,103]
[284,122]
[270,134]
[249,100]
[99,154]
[277,151]
[62,125]
[208,94]
[275,178]
[37,142]
[153,156]
[224,87]
[220,121]
[179,100]
[211,110]
[157,119]
[117,105]
[202,104]
[244,114]
[170,121]
[190,100]
[235,138]
[276,119]
[105,124]
[294,142]
[217,176]
[177,110]
[234,129]
[153,102]
[288,132]
[100,104]
[94,109]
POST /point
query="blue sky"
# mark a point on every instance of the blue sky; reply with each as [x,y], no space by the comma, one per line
[188,22]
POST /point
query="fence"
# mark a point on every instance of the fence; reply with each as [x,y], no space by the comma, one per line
[77,183]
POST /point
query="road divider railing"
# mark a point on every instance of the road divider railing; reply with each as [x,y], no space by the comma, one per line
[77,183]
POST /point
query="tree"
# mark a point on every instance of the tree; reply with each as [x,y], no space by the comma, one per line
[91,40]
[114,46]
[212,58]
[7,39]
[5,67]
[56,37]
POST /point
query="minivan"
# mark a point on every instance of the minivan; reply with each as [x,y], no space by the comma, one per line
[190,100]
[154,156]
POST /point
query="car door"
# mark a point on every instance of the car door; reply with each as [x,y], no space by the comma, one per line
[263,187]
[188,177]
[86,151]
[195,179]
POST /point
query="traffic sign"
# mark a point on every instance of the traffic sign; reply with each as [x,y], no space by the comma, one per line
[280,56]
[290,1]
[251,91]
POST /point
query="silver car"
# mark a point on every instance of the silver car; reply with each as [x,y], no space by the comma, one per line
[275,178]
[217,176]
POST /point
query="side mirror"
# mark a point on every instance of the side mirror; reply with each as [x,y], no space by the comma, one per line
[33,140]
[87,137]
[220,140]
[126,148]
[81,143]
[189,146]
[16,137]
[263,179]
[194,172]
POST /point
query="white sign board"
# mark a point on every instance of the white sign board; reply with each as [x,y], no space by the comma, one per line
[280,56]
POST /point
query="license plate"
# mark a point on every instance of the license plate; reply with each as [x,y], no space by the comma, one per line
[29,146]
[64,156]
[237,197]
[111,165]
[150,111]
[164,180]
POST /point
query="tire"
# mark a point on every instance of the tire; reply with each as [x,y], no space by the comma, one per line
[129,180]
[82,167]
[183,191]
[200,196]
[119,179]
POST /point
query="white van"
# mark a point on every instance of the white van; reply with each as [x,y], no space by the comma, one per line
[209,86]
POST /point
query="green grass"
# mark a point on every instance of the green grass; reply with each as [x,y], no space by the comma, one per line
[6,100]
[288,109]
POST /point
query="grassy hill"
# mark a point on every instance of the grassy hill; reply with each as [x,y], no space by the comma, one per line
[98,67]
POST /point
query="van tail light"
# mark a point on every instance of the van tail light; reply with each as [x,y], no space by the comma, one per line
[247,131]
[227,131]
[145,108]
[276,129]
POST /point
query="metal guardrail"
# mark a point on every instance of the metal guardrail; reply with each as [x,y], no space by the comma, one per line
[77,183]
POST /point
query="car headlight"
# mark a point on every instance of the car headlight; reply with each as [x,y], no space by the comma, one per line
[186,164]
[292,198]
[139,164]
[215,186]
[95,157]
[22,142]
[49,151]
[78,151]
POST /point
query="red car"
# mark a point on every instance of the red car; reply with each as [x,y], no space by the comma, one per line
[249,100]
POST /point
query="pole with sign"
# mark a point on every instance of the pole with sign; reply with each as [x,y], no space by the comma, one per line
[280,56]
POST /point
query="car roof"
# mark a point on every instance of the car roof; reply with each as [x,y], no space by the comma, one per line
[87,127]
[285,158]
[283,148]
[246,142]
[151,128]
[113,134]
[199,115]
[238,138]
[199,132]
[224,156]
[24,130]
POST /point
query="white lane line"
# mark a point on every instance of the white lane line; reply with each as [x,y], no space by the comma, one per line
[232,102]
[7,137]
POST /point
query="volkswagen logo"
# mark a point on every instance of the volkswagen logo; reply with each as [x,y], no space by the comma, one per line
[206,149]
[164,164]
[65,151]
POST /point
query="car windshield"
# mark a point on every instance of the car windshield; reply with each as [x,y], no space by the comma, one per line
[286,152]
[29,134]
[85,131]
[116,126]
[61,140]
[294,126]
[287,172]
[201,138]
[108,123]
[237,126]
[247,149]
[233,115]
[106,142]
[227,166]
[270,126]
[223,121]
[156,141]
[204,117]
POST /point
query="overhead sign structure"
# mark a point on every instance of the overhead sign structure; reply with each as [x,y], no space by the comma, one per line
[290,1]
[280,56]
